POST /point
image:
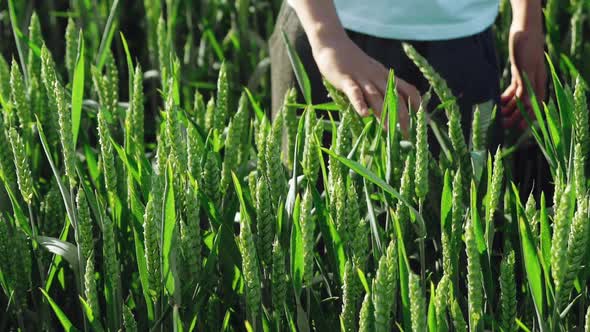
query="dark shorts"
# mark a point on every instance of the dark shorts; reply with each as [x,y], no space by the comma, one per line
[468,64]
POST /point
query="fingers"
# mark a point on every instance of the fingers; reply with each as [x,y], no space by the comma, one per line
[356,97]
[368,93]
[373,97]
[523,124]
[380,81]
[512,116]
[509,107]
[520,91]
[512,119]
[409,94]
[508,94]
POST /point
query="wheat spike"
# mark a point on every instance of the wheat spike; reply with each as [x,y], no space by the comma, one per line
[21,254]
[307,224]
[222,106]
[265,221]
[129,320]
[290,122]
[7,265]
[134,122]
[579,171]
[90,291]
[507,293]
[18,94]
[164,52]
[495,190]
[211,178]
[474,282]
[111,260]
[441,302]
[417,304]
[210,115]
[477,137]
[151,222]
[275,172]
[190,233]
[261,136]
[385,287]
[339,209]
[367,315]
[406,190]
[422,154]
[199,109]
[195,151]
[4,79]
[48,78]
[438,83]
[577,28]
[106,153]
[230,161]
[65,133]
[36,37]
[242,123]
[310,161]
[531,214]
[7,169]
[457,215]
[457,317]
[349,297]
[360,244]
[576,251]
[250,269]
[71,38]
[85,238]
[279,277]
[21,164]
[582,134]
[561,228]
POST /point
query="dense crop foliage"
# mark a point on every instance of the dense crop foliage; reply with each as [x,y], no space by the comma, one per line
[144,188]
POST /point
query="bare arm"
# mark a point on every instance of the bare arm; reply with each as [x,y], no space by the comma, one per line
[526,45]
[319,20]
[345,65]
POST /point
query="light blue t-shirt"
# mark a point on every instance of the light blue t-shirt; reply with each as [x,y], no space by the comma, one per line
[417,19]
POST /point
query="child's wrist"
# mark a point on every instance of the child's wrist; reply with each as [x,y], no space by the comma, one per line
[326,35]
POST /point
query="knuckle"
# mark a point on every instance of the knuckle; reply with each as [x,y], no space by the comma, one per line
[354,90]
[370,89]
[363,112]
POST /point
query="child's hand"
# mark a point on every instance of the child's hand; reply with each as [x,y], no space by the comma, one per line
[526,46]
[362,78]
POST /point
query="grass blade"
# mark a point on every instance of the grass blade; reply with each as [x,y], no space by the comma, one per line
[107,36]
[168,238]
[299,69]
[17,40]
[531,259]
[78,89]
[61,316]
[296,250]
[372,177]
[62,248]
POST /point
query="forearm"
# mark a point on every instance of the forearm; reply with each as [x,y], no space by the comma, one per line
[527,15]
[319,20]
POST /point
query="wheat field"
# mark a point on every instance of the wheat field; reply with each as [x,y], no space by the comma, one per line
[143,186]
